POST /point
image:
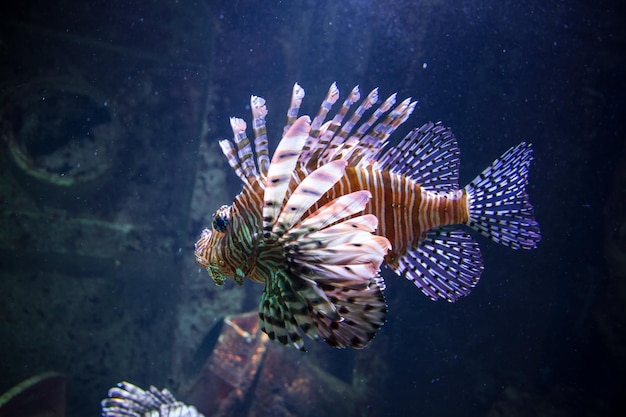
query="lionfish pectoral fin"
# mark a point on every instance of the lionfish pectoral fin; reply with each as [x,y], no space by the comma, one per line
[333,265]
[445,265]
[362,310]
[498,205]
[284,312]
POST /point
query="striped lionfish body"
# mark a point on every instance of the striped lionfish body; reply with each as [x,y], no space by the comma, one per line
[316,223]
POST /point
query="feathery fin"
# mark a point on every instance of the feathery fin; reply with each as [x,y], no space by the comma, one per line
[428,155]
[333,268]
[499,207]
[446,264]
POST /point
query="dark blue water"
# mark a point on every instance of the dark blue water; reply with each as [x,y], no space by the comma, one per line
[542,333]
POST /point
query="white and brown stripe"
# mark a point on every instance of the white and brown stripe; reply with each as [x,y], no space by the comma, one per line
[405,210]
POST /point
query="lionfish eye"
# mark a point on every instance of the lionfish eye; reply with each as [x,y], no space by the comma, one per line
[221,219]
[220,223]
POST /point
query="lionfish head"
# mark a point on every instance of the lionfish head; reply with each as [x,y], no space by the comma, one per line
[211,248]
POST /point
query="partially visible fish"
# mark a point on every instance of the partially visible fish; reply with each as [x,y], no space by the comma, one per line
[316,222]
[128,400]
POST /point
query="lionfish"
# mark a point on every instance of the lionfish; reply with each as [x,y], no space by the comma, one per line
[128,400]
[316,222]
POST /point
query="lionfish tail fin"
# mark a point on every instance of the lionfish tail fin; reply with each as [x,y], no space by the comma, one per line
[499,207]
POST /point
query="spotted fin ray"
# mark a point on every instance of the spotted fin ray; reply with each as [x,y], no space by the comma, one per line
[499,207]
[445,265]
[428,155]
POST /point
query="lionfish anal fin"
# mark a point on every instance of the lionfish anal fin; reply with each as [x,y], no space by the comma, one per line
[445,265]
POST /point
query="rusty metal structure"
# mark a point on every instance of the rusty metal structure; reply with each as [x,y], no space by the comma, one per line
[249,375]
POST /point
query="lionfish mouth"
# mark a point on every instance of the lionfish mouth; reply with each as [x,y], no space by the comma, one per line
[202,248]
[202,253]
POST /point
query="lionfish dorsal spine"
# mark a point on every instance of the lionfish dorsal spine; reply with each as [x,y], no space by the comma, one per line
[331,98]
[230,152]
[239,153]
[378,113]
[322,136]
[280,172]
[340,147]
[245,153]
[365,136]
[297,94]
[346,128]
[355,95]
[337,120]
[333,137]
[307,193]
[259,111]
[368,103]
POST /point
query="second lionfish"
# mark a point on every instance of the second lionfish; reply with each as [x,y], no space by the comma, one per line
[316,222]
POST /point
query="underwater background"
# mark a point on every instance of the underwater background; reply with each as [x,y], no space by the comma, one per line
[110,113]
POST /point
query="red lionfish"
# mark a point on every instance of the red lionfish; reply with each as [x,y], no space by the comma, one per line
[316,222]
